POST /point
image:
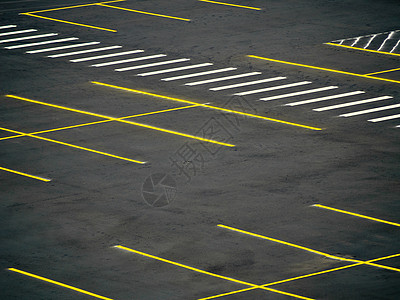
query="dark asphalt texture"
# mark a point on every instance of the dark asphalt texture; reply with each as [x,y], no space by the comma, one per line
[65,229]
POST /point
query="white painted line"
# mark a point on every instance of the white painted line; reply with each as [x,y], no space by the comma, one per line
[175,69]
[395,46]
[153,65]
[17,32]
[225,87]
[398,126]
[42,43]
[106,55]
[62,47]
[115,62]
[8,26]
[352,103]
[385,119]
[325,98]
[367,111]
[272,88]
[28,37]
[223,78]
[84,51]
[384,42]
[300,93]
[369,42]
[198,74]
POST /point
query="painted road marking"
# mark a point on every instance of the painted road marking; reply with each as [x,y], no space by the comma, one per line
[58,283]
[28,37]
[175,69]
[299,93]
[229,4]
[84,51]
[8,26]
[25,174]
[325,98]
[223,78]
[119,120]
[301,277]
[153,64]
[17,32]
[367,111]
[385,118]
[72,145]
[116,62]
[199,74]
[273,88]
[355,214]
[307,249]
[225,87]
[42,43]
[62,47]
[144,12]
[206,272]
[385,71]
[323,69]
[352,103]
[106,55]
[363,49]
[205,105]
[74,6]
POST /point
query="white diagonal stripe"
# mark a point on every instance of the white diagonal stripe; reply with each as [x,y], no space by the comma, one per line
[199,74]
[41,43]
[272,88]
[153,64]
[223,78]
[246,83]
[324,98]
[115,62]
[352,103]
[84,51]
[106,55]
[62,47]
[175,69]
[367,111]
[300,93]
[28,37]
[17,32]
[385,119]
[8,26]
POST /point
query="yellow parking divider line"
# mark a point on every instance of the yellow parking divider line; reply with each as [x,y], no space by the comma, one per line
[301,277]
[323,69]
[123,121]
[25,174]
[58,283]
[71,145]
[208,273]
[362,49]
[356,215]
[229,4]
[143,12]
[207,106]
[100,122]
[381,72]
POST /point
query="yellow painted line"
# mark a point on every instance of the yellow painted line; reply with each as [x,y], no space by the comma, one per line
[362,49]
[58,283]
[144,12]
[25,174]
[68,22]
[72,145]
[123,121]
[229,4]
[207,273]
[381,72]
[75,6]
[207,106]
[100,122]
[356,215]
[322,69]
[301,277]
[307,249]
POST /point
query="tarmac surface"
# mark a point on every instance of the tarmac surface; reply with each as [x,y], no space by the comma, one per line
[121,181]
